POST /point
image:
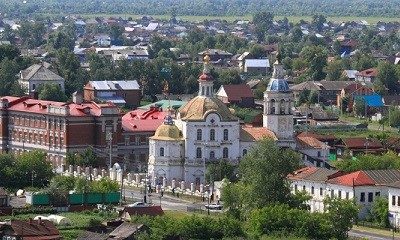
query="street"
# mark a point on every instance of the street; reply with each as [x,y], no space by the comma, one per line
[370,236]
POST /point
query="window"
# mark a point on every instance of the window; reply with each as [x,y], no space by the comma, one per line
[304,188]
[362,197]
[398,200]
[244,152]
[377,194]
[199,134]
[321,191]
[370,197]
[162,152]
[347,195]
[212,155]
[295,187]
[332,193]
[319,153]
[282,107]
[33,86]
[226,135]
[272,107]
[312,190]
[198,152]
[339,194]
[393,200]
[225,153]
[212,135]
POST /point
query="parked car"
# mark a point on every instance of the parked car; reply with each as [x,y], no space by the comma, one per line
[214,206]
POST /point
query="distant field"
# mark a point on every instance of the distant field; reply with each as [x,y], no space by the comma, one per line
[294,19]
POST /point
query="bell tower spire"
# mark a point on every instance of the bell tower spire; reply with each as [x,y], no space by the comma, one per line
[206,81]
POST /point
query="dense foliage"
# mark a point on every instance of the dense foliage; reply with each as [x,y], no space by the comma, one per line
[388,160]
[205,7]
[30,169]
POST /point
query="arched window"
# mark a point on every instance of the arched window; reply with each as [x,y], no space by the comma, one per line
[198,152]
[226,134]
[244,152]
[282,107]
[272,106]
[162,152]
[33,87]
[207,91]
[212,155]
[199,134]
[212,135]
[225,153]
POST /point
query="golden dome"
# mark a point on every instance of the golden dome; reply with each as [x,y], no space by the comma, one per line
[199,107]
[206,59]
[167,132]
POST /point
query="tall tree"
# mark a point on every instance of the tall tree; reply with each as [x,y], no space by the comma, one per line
[316,57]
[51,92]
[388,77]
[262,22]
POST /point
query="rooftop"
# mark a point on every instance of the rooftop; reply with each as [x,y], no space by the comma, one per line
[141,120]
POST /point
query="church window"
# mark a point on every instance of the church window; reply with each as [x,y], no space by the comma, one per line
[207,91]
[199,134]
[244,152]
[212,155]
[272,106]
[225,153]
[198,152]
[282,106]
[212,135]
[226,134]
[162,152]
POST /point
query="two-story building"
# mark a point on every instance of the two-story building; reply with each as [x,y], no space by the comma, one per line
[57,127]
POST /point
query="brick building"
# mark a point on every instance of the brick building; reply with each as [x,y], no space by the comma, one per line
[121,93]
[57,127]
[137,127]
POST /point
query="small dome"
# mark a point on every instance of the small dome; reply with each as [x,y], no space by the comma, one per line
[197,109]
[278,85]
[167,132]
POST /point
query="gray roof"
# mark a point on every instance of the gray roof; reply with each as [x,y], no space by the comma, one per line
[320,175]
[39,72]
[351,73]
[384,177]
[321,85]
[125,230]
[215,52]
[257,63]
[115,85]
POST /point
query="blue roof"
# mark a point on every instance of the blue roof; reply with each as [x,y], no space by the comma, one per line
[374,100]
[278,85]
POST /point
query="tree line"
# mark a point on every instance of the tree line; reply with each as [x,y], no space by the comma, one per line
[203,7]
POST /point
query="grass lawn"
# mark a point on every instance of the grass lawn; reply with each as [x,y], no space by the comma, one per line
[294,19]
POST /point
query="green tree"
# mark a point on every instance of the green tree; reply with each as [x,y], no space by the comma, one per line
[296,34]
[262,22]
[394,117]
[360,107]
[388,77]
[10,52]
[116,32]
[388,160]
[318,22]
[334,70]
[341,214]
[88,158]
[380,212]
[51,92]
[316,58]
[258,189]
[60,40]
[222,169]
[257,51]
[8,79]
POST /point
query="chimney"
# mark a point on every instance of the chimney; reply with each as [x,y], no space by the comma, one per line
[77,97]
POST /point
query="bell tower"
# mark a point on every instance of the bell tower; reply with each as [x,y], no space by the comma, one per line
[278,103]
[206,81]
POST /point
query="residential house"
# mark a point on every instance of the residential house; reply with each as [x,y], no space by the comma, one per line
[350,91]
[359,145]
[349,74]
[130,212]
[313,151]
[216,55]
[256,66]
[125,54]
[239,94]
[126,231]
[123,93]
[32,229]
[367,76]
[373,102]
[327,90]
[391,100]
[361,186]
[37,75]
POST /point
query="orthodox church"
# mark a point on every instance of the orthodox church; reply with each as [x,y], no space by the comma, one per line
[205,131]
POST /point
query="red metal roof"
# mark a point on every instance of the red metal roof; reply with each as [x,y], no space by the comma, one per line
[362,143]
[359,178]
[205,77]
[370,72]
[143,120]
[34,229]
[26,104]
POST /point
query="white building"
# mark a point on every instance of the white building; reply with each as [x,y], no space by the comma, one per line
[363,186]
[39,74]
[394,204]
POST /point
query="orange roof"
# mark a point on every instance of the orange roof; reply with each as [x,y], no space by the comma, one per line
[143,120]
[251,134]
[359,178]
[301,173]
[311,142]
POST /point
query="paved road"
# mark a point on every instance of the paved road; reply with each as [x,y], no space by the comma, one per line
[369,236]
[167,203]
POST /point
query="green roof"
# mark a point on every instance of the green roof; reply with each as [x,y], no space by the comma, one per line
[164,104]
